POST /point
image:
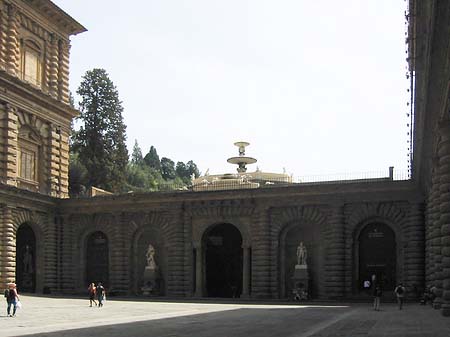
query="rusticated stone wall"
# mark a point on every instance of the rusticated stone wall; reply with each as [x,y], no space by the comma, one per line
[177,224]
[444,210]
[47,100]
[55,53]
[8,144]
[46,251]
[335,262]
[53,157]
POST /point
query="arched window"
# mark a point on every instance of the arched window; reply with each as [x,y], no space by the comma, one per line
[31,62]
[28,156]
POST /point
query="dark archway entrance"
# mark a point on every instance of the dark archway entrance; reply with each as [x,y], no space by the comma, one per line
[377,255]
[97,259]
[223,261]
[26,259]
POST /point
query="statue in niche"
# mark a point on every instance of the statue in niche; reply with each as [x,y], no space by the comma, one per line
[150,255]
[301,254]
[27,261]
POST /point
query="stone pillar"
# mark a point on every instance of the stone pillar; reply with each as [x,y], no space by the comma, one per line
[64,163]
[12,44]
[348,253]
[7,246]
[54,159]
[430,232]
[188,255]
[414,250]
[262,282]
[51,66]
[3,33]
[175,256]
[119,270]
[8,144]
[63,71]
[246,272]
[444,209]
[198,270]
[435,236]
[51,253]
[67,247]
[335,257]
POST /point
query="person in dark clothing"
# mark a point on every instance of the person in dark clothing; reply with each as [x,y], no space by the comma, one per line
[12,299]
[400,293]
[100,290]
[377,292]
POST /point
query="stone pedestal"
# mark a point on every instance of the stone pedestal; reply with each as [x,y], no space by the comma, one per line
[300,282]
[151,281]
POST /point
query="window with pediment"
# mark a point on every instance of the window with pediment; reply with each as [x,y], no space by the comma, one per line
[31,60]
[28,156]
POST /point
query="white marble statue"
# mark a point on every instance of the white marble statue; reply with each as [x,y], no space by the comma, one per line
[150,255]
[302,254]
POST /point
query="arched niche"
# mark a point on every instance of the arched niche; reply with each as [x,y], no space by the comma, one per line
[26,262]
[97,258]
[145,236]
[290,238]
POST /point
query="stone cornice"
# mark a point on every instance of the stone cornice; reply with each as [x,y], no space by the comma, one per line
[16,197]
[303,194]
[45,10]
[20,94]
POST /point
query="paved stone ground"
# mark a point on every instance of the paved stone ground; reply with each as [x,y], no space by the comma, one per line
[68,317]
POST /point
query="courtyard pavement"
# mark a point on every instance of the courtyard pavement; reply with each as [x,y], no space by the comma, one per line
[69,317]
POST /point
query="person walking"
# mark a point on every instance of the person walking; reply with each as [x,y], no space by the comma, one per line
[377,292]
[92,292]
[100,294]
[12,299]
[400,293]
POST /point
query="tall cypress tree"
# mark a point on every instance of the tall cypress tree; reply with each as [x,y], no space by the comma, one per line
[152,159]
[136,156]
[100,141]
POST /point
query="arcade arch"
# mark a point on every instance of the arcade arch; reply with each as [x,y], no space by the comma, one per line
[222,259]
[376,255]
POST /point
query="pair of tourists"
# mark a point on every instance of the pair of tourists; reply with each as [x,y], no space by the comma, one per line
[12,299]
[96,292]
[399,293]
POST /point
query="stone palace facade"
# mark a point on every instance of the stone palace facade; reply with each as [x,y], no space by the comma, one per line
[227,243]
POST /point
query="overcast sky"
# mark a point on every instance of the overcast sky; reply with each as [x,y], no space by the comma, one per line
[316,87]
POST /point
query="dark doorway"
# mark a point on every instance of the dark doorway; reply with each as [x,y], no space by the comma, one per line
[377,255]
[26,259]
[97,259]
[223,261]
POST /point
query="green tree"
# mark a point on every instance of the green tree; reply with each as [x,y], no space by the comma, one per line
[78,176]
[136,156]
[192,169]
[152,159]
[100,141]
[167,168]
[141,178]
[181,170]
